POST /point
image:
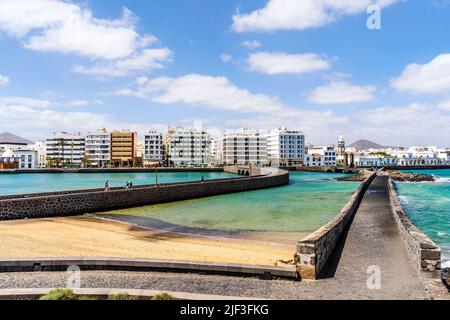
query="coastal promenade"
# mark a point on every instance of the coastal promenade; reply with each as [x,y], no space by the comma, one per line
[374,244]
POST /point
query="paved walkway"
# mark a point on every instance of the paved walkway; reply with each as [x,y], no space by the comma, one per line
[374,239]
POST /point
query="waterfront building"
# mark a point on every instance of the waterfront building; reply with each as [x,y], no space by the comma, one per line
[245,147]
[216,150]
[40,148]
[154,148]
[285,148]
[65,149]
[98,148]
[188,147]
[321,156]
[375,160]
[16,152]
[123,148]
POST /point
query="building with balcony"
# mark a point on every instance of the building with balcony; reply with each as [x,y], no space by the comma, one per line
[188,147]
[286,148]
[65,149]
[98,148]
[244,147]
[123,148]
[154,148]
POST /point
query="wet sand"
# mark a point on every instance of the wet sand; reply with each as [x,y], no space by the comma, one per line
[91,237]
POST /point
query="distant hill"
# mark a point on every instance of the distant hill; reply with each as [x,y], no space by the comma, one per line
[365,144]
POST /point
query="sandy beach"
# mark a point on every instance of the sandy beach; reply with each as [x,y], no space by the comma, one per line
[90,237]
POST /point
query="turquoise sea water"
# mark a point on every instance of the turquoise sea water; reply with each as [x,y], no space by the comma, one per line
[428,205]
[11,184]
[310,201]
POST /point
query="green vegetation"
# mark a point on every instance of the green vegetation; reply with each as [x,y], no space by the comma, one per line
[163,296]
[63,294]
[67,294]
[381,154]
[121,296]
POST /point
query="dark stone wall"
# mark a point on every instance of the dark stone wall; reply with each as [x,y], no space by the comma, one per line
[90,201]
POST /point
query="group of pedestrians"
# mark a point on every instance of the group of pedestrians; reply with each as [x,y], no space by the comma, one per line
[128,185]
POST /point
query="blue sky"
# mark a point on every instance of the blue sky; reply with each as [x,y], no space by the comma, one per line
[304,64]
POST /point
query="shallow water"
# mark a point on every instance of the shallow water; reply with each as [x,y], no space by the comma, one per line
[12,184]
[428,205]
[289,212]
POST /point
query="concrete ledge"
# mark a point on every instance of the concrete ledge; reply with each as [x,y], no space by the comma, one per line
[314,251]
[423,250]
[117,264]
[100,293]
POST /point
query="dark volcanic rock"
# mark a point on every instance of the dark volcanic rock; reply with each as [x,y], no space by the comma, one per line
[410,177]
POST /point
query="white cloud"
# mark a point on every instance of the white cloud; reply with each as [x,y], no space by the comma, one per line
[342,92]
[432,77]
[12,101]
[415,124]
[65,27]
[283,63]
[202,90]
[148,59]
[226,57]
[3,80]
[251,44]
[34,118]
[300,14]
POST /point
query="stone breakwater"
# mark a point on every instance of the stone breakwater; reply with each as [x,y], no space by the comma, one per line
[423,250]
[79,202]
[314,251]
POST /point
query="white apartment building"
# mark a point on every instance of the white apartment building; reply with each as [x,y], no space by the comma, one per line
[65,149]
[244,147]
[320,156]
[41,153]
[154,148]
[285,147]
[188,147]
[375,161]
[18,151]
[216,150]
[98,148]
[420,156]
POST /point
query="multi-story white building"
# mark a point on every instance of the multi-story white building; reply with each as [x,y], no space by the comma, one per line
[216,150]
[285,147]
[41,153]
[375,161]
[98,148]
[244,147]
[327,155]
[18,151]
[188,147]
[65,149]
[154,148]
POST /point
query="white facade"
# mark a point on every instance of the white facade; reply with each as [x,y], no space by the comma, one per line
[285,147]
[244,147]
[216,150]
[66,148]
[188,147]
[25,158]
[41,153]
[98,148]
[327,155]
[154,148]
[314,160]
[374,160]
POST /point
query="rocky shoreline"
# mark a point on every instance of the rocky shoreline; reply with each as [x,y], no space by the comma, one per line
[410,177]
[395,175]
